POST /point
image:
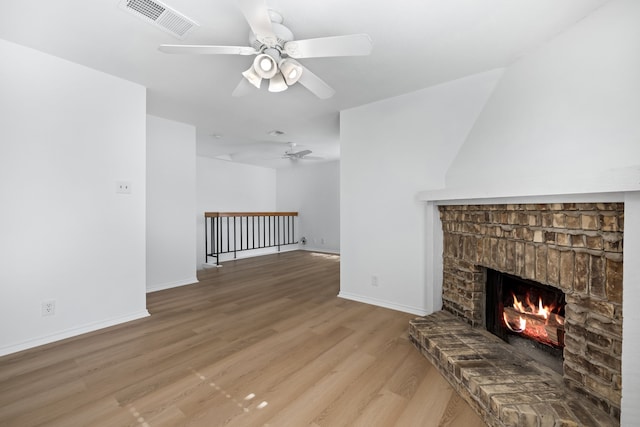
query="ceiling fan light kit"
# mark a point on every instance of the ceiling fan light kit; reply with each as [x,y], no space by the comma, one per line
[274,47]
[265,66]
[252,77]
[277,83]
[291,70]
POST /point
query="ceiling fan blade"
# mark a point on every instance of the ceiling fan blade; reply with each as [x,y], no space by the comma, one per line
[256,13]
[301,154]
[207,50]
[243,88]
[315,84]
[353,45]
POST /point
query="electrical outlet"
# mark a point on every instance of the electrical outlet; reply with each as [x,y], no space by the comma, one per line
[123,187]
[48,308]
[374,281]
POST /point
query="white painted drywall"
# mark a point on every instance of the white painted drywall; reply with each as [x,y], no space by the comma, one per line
[312,190]
[231,187]
[568,112]
[390,150]
[171,204]
[67,135]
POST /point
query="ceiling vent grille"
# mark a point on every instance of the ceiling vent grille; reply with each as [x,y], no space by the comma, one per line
[161,16]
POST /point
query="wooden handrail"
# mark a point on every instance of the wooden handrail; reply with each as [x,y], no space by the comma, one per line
[233,214]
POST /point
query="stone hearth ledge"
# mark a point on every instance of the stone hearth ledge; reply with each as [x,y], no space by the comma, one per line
[503,386]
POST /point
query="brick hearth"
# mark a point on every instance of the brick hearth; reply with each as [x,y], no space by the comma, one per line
[505,387]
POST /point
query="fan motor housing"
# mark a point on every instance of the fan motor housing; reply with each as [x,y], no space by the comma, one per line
[282,33]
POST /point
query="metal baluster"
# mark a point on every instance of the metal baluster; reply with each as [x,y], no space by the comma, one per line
[228,234]
[206,240]
[218,241]
[214,237]
[235,238]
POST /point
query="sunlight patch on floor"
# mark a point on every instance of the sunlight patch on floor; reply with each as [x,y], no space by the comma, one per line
[138,416]
[332,257]
[240,405]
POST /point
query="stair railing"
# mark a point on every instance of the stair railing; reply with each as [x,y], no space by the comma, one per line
[233,232]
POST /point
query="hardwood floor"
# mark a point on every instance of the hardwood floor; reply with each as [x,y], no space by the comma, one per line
[260,342]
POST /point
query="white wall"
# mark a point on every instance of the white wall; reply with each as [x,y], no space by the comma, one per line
[313,190]
[67,134]
[171,204]
[230,187]
[390,150]
[567,112]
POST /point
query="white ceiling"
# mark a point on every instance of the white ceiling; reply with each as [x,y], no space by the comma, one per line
[416,44]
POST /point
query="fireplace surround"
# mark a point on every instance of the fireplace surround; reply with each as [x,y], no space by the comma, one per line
[577,247]
[618,186]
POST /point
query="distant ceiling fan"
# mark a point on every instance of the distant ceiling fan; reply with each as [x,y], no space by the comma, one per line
[298,155]
[276,52]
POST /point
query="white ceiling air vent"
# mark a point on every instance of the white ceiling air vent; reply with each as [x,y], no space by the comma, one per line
[160,15]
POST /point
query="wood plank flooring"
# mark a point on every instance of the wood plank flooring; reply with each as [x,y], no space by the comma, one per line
[259,342]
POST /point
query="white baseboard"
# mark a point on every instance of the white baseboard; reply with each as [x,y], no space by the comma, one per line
[251,253]
[386,304]
[72,332]
[210,265]
[322,250]
[162,286]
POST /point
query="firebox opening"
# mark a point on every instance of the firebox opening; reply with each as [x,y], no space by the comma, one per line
[527,314]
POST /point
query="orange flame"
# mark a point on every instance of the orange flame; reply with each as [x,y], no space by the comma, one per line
[536,321]
[541,310]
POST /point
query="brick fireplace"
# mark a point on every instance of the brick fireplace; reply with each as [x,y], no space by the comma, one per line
[575,247]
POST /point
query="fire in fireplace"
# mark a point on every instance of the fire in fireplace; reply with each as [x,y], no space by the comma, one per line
[517,307]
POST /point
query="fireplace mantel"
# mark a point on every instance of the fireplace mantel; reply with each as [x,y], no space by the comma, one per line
[625,190]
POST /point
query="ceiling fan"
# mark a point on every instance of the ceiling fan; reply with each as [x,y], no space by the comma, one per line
[298,155]
[276,52]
